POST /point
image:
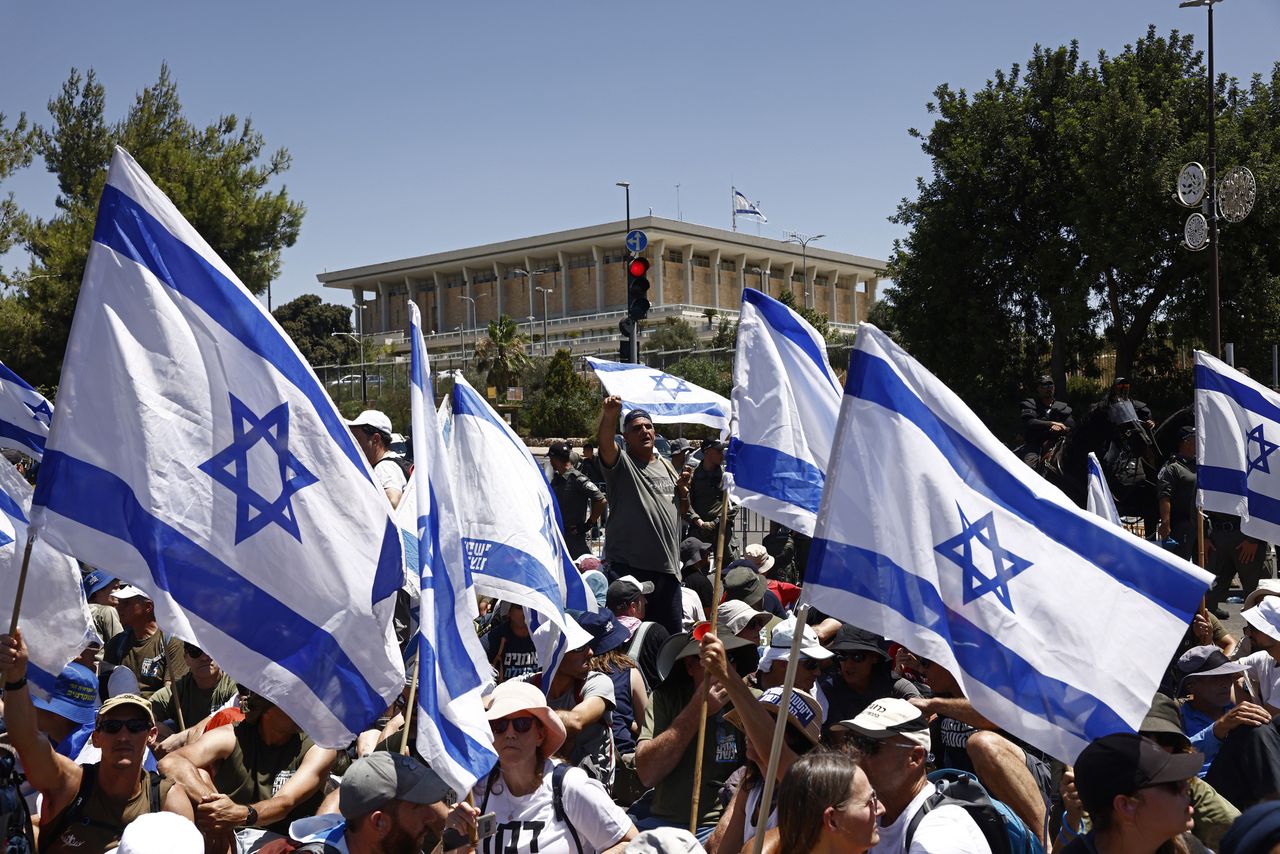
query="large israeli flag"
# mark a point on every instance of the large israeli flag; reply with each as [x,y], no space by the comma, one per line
[453,735]
[786,399]
[1238,432]
[54,616]
[937,536]
[196,454]
[510,521]
[25,415]
[668,399]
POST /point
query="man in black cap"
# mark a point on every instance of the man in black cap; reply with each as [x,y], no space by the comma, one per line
[695,562]
[707,496]
[1136,794]
[580,502]
[680,449]
[646,497]
[1043,419]
[1176,491]
[627,599]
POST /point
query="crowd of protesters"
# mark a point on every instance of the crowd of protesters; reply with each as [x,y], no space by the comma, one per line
[144,744]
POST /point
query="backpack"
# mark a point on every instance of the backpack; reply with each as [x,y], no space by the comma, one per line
[557,799]
[1004,831]
[74,813]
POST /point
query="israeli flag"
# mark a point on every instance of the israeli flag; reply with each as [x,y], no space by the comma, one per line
[742,206]
[53,616]
[25,415]
[1238,432]
[453,735]
[937,536]
[1100,501]
[196,454]
[668,399]
[510,522]
[786,399]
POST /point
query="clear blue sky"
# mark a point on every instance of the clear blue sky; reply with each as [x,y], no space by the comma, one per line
[418,128]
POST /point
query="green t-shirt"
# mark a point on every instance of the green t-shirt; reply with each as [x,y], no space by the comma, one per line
[644,515]
[723,751]
[197,703]
[255,771]
[154,661]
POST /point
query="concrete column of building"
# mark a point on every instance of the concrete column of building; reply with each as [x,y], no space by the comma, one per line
[687,250]
[438,290]
[384,307]
[597,260]
[357,303]
[833,279]
[788,272]
[741,262]
[656,249]
[498,272]
[562,261]
[715,278]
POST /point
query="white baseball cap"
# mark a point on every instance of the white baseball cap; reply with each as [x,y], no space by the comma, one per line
[372,419]
[128,591]
[779,648]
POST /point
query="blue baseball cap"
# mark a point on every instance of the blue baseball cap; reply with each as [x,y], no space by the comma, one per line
[74,695]
[95,581]
[607,633]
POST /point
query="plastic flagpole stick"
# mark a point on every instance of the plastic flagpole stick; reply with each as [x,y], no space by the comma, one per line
[706,685]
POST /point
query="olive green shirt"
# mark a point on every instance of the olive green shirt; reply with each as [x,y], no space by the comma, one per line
[644,514]
[154,661]
[196,702]
[255,771]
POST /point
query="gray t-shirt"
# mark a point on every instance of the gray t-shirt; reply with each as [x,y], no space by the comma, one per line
[644,515]
[593,750]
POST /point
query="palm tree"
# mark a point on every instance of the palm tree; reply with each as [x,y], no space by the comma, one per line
[501,356]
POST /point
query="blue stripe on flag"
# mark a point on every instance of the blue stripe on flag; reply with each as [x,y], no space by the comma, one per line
[984,658]
[1219,479]
[11,508]
[6,373]
[1209,380]
[25,438]
[203,585]
[515,566]
[768,471]
[467,402]
[872,379]
[663,409]
[784,322]
[129,230]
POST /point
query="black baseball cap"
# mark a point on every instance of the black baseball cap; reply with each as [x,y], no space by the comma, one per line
[1123,763]
[560,450]
[692,550]
[1045,379]
[712,445]
[634,414]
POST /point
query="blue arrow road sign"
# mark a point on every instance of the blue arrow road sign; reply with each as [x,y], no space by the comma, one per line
[636,240]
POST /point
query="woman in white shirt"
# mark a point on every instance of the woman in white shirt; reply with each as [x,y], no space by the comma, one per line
[521,790]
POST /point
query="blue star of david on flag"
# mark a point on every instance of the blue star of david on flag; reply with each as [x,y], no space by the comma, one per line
[41,413]
[1265,449]
[660,384]
[254,511]
[959,549]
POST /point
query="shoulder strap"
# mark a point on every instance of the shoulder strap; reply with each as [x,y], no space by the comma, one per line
[557,800]
[64,819]
[154,796]
[637,640]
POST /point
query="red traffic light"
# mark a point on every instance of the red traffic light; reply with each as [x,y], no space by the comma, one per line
[638,267]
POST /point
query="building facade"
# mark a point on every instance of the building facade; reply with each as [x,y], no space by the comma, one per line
[579,277]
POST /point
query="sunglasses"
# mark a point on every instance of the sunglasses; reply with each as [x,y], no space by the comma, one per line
[134,725]
[520,725]
[857,656]
[1177,787]
[193,651]
[871,746]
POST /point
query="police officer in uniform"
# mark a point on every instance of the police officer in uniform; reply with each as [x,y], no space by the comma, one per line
[706,495]
[581,502]
[1176,491]
[1043,419]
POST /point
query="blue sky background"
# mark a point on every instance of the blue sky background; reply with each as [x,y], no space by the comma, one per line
[418,128]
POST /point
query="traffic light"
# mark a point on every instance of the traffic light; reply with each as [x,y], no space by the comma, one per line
[638,287]
[627,327]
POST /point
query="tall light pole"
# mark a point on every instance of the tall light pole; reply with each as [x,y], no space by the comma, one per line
[531,278]
[462,343]
[804,240]
[472,322]
[1215,305]
[544,292]
[629,326]
[531,319]
[358,335]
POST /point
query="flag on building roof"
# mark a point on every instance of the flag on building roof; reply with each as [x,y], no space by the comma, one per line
[453,735]
[54,616]
[742,206]
[195,453]
[668,399]
[25,415]
[937,536]
[786,399]
[1238,432]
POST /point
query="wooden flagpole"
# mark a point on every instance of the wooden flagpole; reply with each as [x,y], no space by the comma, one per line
[413,698]
[706,683]
[22,582]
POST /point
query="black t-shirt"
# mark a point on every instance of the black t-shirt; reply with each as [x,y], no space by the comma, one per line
[518,658]
[647,655]
[700,584]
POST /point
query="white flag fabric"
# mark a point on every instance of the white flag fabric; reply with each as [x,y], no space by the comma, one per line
[453,734]
[937,536]
[54,616]
[742,206]
[1237,434]
[196,454]
[25,415]
[668,399]
[510,521]
[786,399]
[1100,501]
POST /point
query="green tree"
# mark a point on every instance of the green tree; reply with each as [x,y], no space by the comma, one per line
[565,405]
[311,323]
[711,374]
[16,144]
[673,333]
[501,355]
[815,318]
[726,337]
[218,176]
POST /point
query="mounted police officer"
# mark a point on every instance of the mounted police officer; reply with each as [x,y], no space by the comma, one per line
[581,501]
[1044,420]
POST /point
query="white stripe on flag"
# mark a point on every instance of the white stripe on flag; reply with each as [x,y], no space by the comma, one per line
[25,415]
[1100,501]
[937,536]
[453,735]
[786,400]
[668,399]
[195,453]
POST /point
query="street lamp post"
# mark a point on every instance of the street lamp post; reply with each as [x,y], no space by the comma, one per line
[531,319]
[472,321]
[359,339]
[1214,300]
[804,241]
[544,292]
